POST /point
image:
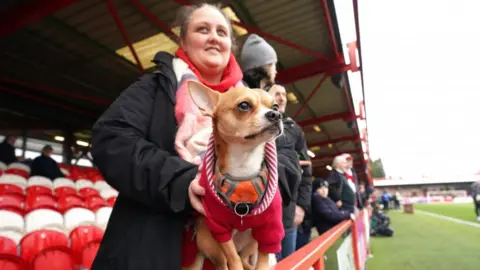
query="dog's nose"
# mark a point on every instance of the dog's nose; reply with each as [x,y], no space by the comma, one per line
[273,116]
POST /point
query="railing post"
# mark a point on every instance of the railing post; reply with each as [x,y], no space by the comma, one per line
[320,264]
[356,257]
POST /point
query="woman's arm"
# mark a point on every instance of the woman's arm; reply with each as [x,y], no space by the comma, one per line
[134,166]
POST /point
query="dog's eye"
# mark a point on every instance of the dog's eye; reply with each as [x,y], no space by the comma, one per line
[244,106]
[275,107]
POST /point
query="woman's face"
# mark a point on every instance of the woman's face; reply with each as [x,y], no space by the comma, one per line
[323,191]
[207,41]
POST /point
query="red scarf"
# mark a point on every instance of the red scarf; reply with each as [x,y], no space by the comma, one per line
[231,75]
[349,176]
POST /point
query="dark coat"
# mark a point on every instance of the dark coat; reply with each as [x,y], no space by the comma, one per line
[45,166]
[133,146]
[339,190]
[326,214]
[295,181]
[7,153]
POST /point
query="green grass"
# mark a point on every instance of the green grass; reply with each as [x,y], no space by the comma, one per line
[462,211]
[423,242]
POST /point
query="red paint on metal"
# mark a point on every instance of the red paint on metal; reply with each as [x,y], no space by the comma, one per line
[46,101]
[307,70]
[328,20]
[29,12]
[120,27]
[314,91]
[40,88]
[346,116]
[332,141]
[165,28]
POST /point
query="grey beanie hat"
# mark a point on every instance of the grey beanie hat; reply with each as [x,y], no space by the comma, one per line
[256,52]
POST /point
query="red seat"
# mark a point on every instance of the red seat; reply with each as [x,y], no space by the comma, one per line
[88,192]
[33,202]
[81,237]
[11,189]
[67,202]
[95,202]
[12,202]
[7,246]
[89,253]
[19,172]
[111,201]
[35,242]
[38,190]
[55,258]
[64,191]
[11,262]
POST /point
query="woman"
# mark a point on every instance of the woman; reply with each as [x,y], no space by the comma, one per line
[133,146]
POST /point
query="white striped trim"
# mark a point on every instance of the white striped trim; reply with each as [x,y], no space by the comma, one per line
[456,220]
[271,161]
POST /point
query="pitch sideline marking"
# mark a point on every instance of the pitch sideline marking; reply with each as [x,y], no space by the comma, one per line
[456,220]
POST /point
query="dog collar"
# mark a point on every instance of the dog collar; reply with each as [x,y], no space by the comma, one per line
[269,171]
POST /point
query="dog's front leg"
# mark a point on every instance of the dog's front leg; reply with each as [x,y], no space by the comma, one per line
[233,259]
[248,255]
[262,262]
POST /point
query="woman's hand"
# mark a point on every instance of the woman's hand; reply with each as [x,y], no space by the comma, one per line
[194,193]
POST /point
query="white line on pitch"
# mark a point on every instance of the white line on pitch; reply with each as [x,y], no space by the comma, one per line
[464,222]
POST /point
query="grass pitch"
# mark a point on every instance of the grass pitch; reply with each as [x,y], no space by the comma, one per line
[424,242]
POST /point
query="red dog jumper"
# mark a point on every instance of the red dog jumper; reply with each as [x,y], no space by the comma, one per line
[265,219]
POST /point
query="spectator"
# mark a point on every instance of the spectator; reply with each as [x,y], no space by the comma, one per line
[134,148]
[342,191]
[44,165]
[7,150]
[385,200]
[325,213]
[258,60]
[476,198]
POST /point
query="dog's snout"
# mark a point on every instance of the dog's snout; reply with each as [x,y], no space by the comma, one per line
[273,116]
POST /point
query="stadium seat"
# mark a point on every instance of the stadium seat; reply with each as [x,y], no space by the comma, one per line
[57,258]
[40,245]
[101,185]
[40,201]
[102,216]
[83,183]
[95,202]
[80,238]
[11,262]
[7,246]
[12,189]
[89,253]
[11,221]
[78,216]
[19,169]
[3,166]
[14,180]
[68,202]
[43,219]
[63,186]
[12,202]
[39,185]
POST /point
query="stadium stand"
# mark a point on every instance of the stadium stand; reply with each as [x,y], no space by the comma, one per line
[52,223]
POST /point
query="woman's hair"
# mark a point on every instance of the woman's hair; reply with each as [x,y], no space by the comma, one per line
[185,13]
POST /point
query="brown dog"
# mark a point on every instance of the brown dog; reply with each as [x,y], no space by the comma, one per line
[243,222]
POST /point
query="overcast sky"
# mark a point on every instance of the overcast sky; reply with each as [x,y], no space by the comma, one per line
[422,90]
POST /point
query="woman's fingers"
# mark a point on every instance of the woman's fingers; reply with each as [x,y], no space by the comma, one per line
[194,191]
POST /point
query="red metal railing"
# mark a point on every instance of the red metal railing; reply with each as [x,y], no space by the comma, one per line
[312,255]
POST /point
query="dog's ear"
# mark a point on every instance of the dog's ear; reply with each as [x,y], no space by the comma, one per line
[272,90]
[205,98]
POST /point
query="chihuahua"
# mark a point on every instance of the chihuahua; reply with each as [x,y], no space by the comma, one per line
[243,222]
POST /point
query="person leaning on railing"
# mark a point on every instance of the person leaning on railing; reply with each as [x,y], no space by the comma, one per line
[325,213]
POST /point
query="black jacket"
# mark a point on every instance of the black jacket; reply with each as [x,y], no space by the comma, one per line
[7,153]
[339,190]
[133,146]
[45,166]
[295,181]
[326,214]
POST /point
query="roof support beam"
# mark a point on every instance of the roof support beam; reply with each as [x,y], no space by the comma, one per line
[337,140]
[122,30]
[28,13]
[314,91]
[346,116]
[307,70]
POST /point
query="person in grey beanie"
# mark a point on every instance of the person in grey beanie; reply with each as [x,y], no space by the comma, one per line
[258,61]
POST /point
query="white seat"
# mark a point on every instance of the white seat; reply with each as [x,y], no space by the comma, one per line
[11,221]
[108,193]
[65,171]
[3,166]
[78,216]
[39,181]
[83,183]
[101,185]
[16,236]
[43,219]
[14,180]
[63,182]
[20,166]
[102,216]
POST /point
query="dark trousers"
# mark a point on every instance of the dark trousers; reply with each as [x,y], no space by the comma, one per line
[289,243]
[303,236]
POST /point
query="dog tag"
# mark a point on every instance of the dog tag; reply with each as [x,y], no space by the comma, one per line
[241,210]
